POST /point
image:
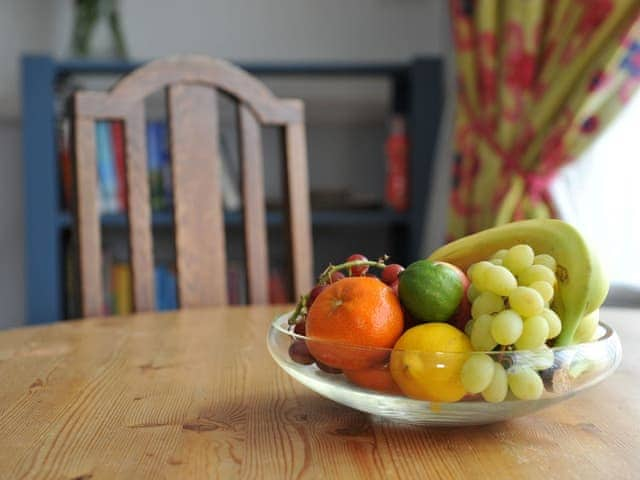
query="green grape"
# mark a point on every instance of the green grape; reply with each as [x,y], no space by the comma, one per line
[553,320]
[472,292]
[499,386]
[499,280]
[525,383]
[587,327]
[486,302]
[474,272]
[537,273]
[468,327]
[535,331]
[500,254]
[481,339]
[546,260]
[477,372]
[518,258]
[545,289]
[538,359]
[526,301]
[506,327]
[496,261]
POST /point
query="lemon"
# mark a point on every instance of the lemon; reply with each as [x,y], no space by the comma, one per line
[427,360]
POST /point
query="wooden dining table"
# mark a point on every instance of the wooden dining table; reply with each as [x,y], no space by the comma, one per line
[195,394]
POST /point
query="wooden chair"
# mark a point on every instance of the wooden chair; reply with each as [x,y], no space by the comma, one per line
[191,84]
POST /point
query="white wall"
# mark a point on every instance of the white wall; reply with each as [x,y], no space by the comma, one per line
[599,195]
[236,29]
[348,30]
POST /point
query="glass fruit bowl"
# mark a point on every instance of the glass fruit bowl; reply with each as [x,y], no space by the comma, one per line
[550,377]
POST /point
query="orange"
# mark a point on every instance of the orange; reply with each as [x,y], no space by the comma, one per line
[427,360]
[352,321]
[375,378]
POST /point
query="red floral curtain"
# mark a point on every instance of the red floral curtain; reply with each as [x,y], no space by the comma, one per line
[537,81]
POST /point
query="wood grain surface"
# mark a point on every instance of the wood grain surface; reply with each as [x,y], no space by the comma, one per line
[297,202]
[87,214]
[139,211]
[199,212]
[254,207]
[195,394]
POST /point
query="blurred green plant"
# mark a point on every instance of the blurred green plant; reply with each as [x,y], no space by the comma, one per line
[88,15]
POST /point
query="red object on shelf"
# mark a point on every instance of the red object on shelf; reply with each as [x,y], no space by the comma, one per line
[277,289]
[117,139]
[66,172]
[397,180]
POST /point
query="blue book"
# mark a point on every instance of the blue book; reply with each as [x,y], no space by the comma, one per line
[105,163]
[164,164]
[153,149]
[166,289]
[157,276]
[154,161]
[171,296]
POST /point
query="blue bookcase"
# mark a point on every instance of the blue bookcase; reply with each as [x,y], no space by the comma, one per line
[417,91]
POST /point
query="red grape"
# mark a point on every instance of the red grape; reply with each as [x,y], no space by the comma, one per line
[327,368]
[359,269]
[301,328]
[299,353]
[335,276]
[394,286]
[315,291]
[390,273]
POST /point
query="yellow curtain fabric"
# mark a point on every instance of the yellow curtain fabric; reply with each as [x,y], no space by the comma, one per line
[537,81]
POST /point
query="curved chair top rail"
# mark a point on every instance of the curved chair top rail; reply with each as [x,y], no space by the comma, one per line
[194,70]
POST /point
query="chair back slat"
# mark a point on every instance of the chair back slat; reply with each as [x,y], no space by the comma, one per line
[255,229]
[87,214]
[297,204]
[139,212]
[198,210]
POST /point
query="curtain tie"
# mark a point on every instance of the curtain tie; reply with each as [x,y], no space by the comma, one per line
[536,184]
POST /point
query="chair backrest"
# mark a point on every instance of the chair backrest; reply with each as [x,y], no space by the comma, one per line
[191,84]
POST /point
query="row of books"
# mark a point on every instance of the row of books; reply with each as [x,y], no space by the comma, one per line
[111,165]
[119,294]
[111,168]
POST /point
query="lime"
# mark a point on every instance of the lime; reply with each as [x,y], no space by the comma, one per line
[430,291]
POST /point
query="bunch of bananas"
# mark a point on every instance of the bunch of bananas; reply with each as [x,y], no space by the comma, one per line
[582,285]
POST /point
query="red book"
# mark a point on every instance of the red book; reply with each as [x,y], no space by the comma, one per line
[117,140]
[66,169]
[397,181]
[277,289]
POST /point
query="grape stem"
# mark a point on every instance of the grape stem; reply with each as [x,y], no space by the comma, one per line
[325,277]
[300,311]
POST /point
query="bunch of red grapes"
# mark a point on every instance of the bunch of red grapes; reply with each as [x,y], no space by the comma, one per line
[298,350]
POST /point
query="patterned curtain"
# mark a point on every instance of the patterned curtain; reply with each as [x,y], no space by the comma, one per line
[537,81]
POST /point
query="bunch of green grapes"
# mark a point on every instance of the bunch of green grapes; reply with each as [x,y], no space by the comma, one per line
[511,294]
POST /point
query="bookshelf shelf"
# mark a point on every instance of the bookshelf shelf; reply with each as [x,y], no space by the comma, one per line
[417,92]
[74,66]
[320,218]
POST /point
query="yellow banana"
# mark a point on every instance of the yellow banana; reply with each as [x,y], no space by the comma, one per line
[582,285]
